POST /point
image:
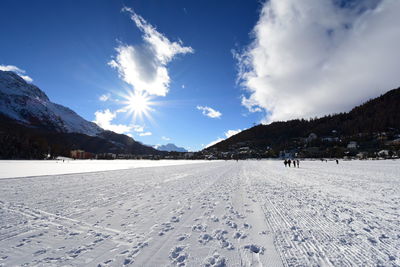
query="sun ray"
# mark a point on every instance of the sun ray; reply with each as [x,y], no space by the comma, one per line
[138,105]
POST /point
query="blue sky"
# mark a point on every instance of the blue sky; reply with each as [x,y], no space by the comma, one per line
[212,67]
[65,46]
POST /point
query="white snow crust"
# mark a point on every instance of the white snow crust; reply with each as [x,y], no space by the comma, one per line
[226,213]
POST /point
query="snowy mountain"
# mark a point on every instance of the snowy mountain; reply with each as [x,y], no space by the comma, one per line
[29,105]
[31,126]
[171,147]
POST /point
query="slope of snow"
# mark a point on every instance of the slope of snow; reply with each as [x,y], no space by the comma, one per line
[246,213]
[27,103]
[26,168]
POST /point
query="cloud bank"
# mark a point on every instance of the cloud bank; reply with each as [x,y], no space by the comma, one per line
[144,66]
[209,112]
[311,58]
[20,72]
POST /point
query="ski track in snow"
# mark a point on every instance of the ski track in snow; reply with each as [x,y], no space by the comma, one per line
[246,213]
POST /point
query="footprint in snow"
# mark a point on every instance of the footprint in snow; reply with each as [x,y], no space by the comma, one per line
[174,219]
[178,255]
[255,248]
[183,237]
[205,238]
[239,235]
[215,261]
[199,228]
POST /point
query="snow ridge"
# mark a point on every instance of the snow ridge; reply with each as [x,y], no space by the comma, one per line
[28,104]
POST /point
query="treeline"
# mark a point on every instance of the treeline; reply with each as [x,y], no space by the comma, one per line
[18,141]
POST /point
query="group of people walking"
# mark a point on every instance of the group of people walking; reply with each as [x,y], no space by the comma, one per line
[288,162]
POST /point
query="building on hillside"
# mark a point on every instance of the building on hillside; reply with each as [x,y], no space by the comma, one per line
[288,154]
[352,145]
[189,155]
[106,156]
[311,137]
[395,142]
[383,153]
[81,154]
[330,139]
[362,155]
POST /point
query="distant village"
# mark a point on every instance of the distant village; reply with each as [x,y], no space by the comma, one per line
[382,145]
[81,154]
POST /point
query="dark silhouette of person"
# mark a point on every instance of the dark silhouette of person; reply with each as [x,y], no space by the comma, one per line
[289,162]
[298,163]
[337,161]
[294,163]
[285,162]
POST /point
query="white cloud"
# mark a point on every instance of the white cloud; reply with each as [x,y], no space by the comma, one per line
[104,120]
[105,97]
[145,66]
[165,138]
[138,128]
[20,72]
[219,139]
[209,112]
[145,134]
[228,134]
[183,86]
[311,58]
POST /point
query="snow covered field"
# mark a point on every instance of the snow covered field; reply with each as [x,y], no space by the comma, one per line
[246,213]
[25,168]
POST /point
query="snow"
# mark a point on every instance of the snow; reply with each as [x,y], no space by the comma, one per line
[25,168]
[23,102]
[225,213]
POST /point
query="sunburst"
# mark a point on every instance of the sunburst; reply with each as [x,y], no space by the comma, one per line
[138,104]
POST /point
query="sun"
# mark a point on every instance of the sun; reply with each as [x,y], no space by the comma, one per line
[138,104]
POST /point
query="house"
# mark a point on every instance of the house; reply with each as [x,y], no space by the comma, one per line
[189,155]
[81,154]
[394,142]
[352,145]
[383,153]
[330,139]
[106,156]
[311,137]
[288,154]
[362,155]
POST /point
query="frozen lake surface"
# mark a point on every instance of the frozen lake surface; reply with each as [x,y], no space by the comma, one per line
[26,168]
[226,213]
